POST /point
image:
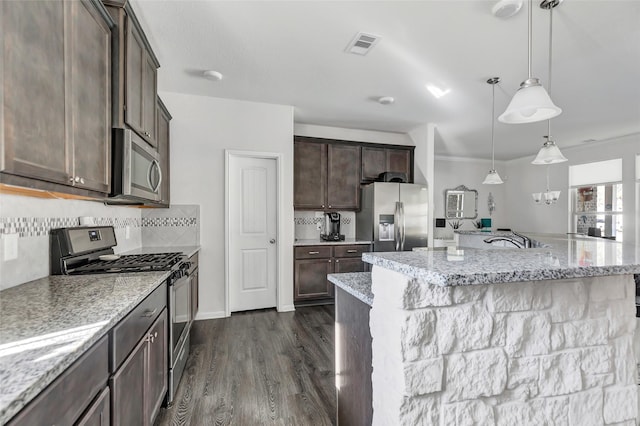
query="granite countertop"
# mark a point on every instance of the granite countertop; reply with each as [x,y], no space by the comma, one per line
[47,324]
[187,250]
[319,242]
[357,284]
[565,256]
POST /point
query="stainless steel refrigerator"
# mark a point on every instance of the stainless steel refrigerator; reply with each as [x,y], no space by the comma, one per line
[394,216]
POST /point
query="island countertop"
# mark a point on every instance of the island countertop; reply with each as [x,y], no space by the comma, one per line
[47,324]
[357,284]
[565,256]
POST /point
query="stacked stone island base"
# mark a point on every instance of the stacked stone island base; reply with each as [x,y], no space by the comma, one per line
[517,353]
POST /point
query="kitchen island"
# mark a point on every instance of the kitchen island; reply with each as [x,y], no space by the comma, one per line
[509,336]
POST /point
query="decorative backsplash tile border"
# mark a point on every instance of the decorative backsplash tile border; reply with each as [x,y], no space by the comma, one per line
[40,226]
[315,220]
[169,221]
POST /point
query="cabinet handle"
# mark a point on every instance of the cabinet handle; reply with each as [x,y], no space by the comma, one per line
[314,252]
[77,179]
[149,313]
[352,251]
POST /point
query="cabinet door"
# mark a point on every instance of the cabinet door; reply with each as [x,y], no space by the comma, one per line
[149,99]
[374,162]
[349,265]
[310,175]
[90,97]
[343,181]
[163,127]
[32,91]
[128,388]
[399,160]
[98,413]
[134,64]
[158,367]
[310,280]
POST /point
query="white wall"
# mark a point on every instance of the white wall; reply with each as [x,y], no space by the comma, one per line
[525,178]
[357,135]
[201,129]
[453,171]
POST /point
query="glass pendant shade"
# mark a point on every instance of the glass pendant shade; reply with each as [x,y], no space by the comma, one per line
[549,154]
[493,178]
[530,104]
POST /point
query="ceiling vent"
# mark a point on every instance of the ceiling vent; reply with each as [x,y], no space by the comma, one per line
[362,43]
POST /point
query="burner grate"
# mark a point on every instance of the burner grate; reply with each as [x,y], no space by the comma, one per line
[131,263]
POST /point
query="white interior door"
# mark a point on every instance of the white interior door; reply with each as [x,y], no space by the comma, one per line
[252,233]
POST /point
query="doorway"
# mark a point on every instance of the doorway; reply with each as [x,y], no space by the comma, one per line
[251,230]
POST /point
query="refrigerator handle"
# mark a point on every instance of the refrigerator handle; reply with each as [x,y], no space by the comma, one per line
[396,226]
[403,231]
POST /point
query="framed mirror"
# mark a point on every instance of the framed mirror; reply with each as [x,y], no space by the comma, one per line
[461,203]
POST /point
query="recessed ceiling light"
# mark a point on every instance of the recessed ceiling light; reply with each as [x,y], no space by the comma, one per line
[212,75]
[436,91]
[386,100]
[506,8]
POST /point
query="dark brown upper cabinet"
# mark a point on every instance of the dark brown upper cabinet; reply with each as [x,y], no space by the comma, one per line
[310,175]
[135,74]
[326,175]
[55,96]
[380,159]
[164,126]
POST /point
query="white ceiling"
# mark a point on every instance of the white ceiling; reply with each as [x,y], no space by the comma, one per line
[293,53]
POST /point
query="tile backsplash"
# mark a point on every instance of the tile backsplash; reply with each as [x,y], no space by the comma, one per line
[25,223]
[178,225]
[306,224]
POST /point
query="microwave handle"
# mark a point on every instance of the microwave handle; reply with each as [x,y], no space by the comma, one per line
[155,164]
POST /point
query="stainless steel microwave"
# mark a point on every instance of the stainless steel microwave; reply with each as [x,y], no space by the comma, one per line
[137,175]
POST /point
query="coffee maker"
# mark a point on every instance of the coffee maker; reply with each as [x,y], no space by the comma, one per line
[332,227]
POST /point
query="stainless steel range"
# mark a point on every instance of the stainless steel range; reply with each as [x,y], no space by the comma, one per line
[89,250]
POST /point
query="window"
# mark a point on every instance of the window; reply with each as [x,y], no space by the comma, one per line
[597,201]
[597,210]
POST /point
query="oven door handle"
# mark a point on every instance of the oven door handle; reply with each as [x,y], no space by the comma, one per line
[149,313]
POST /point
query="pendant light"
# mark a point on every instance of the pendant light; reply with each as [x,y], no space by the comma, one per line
[493,178]
[531,103]
[550,197]
[549,153]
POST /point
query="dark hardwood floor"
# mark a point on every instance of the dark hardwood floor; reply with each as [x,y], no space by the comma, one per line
[259,368]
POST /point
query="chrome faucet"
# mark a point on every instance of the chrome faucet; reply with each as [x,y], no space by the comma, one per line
[504,238]
[526,241]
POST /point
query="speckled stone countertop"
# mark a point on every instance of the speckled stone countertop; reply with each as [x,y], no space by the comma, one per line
[47,324]
[565,257]
[187,250]
[319,242]
[357,284]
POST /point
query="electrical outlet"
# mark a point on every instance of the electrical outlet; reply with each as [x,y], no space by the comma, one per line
[10,246]
[319,226]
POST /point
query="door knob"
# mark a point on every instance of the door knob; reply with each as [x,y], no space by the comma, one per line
[272,241]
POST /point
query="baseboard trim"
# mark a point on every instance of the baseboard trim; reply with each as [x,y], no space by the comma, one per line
[287,308]
[210,315]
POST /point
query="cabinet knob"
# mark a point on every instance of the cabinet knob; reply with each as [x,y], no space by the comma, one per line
[329,206]
[82,180]
[337,260]
[77,179]
[323,206]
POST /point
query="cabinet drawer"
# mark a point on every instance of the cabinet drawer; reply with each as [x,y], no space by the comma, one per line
[129,331]
[69,395]
[312,252]
[351,251]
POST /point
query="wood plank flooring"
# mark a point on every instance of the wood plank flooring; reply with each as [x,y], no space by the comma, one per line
[259,368]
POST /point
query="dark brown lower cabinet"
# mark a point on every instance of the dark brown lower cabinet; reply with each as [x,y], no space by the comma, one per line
[98,414]
[353,360]
[312,264]
[138,387]
[65,400]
